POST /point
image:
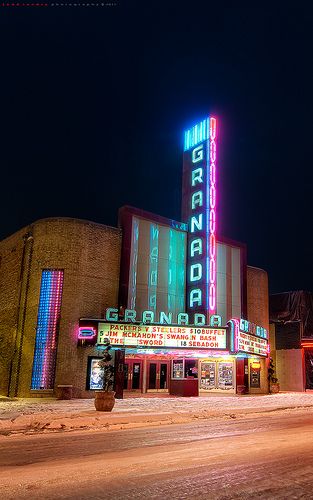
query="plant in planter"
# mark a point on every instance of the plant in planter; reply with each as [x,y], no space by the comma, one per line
[272,380]
[104,398]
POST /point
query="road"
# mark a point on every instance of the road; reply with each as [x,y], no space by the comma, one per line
[268,456]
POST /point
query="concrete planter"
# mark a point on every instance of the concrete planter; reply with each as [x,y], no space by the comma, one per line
[104,400]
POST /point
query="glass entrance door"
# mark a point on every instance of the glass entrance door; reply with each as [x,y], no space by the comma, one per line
[157,376]
[133,375]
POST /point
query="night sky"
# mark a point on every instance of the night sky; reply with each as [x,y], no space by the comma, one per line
[94,102]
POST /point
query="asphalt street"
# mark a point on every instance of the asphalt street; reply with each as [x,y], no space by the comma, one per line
[266,456]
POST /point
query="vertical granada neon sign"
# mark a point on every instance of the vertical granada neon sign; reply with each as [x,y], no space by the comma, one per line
[212,217]
[199,211]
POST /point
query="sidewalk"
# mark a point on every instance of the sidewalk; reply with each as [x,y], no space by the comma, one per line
[48,415]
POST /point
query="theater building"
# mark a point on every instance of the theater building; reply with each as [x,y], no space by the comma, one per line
[184,312]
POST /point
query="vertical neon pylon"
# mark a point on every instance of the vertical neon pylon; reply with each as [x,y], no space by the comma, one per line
[212,217]
[199,212]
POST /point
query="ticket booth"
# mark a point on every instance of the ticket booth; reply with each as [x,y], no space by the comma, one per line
[184,377]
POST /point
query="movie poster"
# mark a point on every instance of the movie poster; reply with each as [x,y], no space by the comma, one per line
[96,375]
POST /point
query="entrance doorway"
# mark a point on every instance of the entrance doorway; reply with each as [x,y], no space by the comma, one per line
[158,376]
[133,375]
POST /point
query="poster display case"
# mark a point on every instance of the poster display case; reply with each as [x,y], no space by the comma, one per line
[217,376]
[208,378]
[94,374]
[225,375]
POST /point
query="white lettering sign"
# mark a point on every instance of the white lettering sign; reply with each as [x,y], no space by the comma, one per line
[253,345]
[126,334]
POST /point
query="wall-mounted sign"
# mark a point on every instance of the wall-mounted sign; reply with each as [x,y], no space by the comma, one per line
[148,317]
[251,344]
[256,343]
[248,327]
[86,333]
[199,211]
[130,335]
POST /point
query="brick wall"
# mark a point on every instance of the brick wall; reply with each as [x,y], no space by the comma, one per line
[89,254]
[257,296]
[14,255]
[258,313]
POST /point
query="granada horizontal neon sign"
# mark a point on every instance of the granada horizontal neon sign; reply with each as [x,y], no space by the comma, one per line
[147,317]
[130,335]
[248,327]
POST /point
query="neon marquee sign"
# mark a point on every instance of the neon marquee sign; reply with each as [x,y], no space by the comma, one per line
[248,338]
[130,335]
[199,210]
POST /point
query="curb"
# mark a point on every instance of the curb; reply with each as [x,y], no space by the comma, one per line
[93,420]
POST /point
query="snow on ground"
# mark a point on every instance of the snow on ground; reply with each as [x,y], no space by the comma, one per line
[150,405]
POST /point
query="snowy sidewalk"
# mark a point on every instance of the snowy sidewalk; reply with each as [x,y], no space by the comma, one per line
[46,415]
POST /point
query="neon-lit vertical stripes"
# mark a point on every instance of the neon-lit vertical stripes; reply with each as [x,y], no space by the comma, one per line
[47,329]
[171,272]
[199,133]
[212,225]
[153,267]
[133,264]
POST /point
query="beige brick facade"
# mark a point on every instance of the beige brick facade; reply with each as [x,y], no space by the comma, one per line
[89,254]
[257,297]
[258,313]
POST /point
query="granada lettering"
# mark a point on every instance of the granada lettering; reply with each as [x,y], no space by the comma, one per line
[150,317]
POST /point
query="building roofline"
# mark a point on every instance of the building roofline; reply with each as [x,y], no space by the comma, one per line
[257,268]
[31,225]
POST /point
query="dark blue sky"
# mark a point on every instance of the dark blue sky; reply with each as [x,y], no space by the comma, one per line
[94,102]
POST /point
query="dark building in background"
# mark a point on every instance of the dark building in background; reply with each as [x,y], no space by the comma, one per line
[291,338]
